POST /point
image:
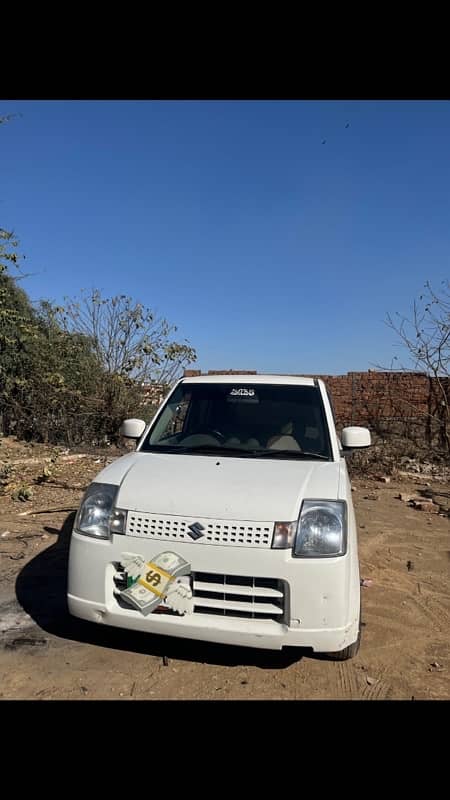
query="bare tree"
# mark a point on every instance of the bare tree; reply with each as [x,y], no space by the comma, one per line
[128,338]
[425,336]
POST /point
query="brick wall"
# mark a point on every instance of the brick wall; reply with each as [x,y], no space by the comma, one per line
[363,396]
[409,403]
[154,394]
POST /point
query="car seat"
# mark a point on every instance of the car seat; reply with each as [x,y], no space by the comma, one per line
[284,440]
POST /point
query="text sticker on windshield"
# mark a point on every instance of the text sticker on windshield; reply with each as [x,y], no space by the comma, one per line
[239,393]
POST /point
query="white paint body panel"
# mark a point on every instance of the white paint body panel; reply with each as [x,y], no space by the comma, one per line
[322,594]
[239,488]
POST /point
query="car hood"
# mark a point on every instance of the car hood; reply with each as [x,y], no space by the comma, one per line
[220,488]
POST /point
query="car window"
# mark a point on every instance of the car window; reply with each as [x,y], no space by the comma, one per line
[248,417]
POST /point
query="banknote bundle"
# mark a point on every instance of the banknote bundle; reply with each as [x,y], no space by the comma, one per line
[151,580]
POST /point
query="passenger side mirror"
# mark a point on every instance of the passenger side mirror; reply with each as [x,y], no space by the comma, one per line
[355,437]
[132,428]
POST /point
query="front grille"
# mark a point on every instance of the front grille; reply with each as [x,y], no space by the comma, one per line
[216,532]
[228,596]
[239,596]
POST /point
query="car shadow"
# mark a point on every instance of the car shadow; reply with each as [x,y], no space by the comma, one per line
[41,590]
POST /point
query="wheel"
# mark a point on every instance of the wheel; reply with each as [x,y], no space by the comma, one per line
[350,651]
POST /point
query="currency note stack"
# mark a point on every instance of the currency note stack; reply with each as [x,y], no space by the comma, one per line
[150,588]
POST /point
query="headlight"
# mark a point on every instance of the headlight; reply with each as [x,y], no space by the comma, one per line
[97,516]
[322,529]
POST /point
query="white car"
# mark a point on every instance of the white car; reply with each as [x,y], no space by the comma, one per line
[232,522]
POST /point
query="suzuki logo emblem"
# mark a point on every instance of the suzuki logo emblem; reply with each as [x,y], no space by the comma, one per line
[195,530]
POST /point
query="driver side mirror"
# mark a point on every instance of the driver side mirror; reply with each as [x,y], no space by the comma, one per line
[132,428]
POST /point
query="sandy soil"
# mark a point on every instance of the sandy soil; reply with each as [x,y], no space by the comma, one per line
[45,653]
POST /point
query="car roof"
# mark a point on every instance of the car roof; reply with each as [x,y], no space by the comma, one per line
[285,380]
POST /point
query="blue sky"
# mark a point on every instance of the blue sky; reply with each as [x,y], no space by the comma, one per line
[268,248]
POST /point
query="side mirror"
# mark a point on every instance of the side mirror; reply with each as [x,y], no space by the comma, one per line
[355,437]
[132,428]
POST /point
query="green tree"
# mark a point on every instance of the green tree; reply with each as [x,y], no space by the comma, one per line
[18,329]
[49,379]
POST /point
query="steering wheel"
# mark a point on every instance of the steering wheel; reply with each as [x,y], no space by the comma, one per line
[219,435]
[215,433]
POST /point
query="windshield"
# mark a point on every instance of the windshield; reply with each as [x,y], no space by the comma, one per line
[253,421]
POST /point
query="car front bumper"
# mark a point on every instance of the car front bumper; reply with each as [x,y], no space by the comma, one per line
[321,595]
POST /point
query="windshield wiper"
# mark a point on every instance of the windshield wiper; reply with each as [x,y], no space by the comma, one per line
[253,453]
[201,448]
[217,450]
[300,454]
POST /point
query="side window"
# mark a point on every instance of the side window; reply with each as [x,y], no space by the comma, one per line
[180,415]
[172,420]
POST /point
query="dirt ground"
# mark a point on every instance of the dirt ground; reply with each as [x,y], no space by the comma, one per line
[46,654]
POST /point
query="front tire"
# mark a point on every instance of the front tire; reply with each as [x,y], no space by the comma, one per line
[348,652]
